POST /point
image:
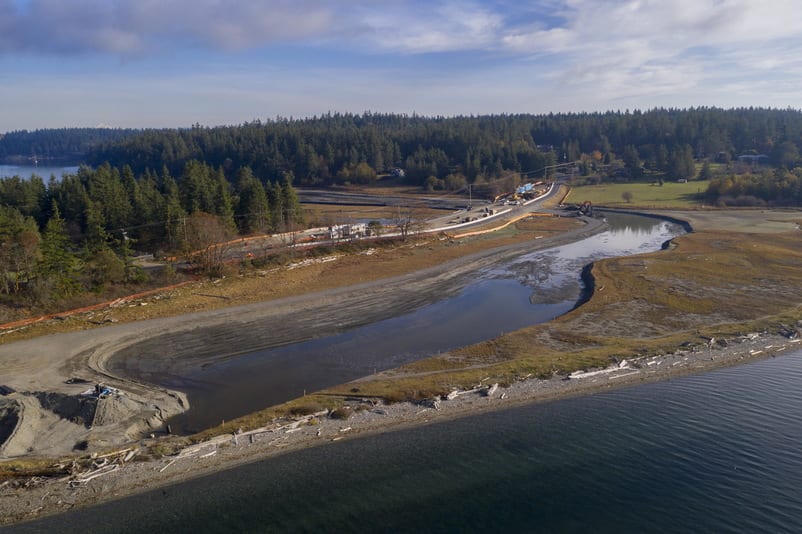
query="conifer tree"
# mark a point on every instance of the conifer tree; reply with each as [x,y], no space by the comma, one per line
[253,209]
[293,213]
[223,203]
[276,200]
[174,214]
[58,264]
[19,249]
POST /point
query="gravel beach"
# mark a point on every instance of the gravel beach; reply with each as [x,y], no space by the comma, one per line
[41,420]
[125,471]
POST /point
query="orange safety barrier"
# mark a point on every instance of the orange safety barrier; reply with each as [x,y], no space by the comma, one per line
[68,313]
[497,228]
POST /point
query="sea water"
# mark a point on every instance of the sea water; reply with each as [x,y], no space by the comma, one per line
[715,452]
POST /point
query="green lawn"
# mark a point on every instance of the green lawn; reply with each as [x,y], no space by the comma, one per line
[644,195]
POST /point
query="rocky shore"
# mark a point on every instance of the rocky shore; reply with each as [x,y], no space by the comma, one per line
[95,478]
[123,464]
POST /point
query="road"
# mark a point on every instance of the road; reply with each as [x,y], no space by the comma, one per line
[458,217]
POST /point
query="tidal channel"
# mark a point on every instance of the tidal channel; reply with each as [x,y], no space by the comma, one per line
[530,289]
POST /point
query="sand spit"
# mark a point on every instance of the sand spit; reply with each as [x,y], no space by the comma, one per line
[48,373]
[95,478]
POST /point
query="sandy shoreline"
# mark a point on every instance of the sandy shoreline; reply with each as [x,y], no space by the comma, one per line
[32,497]
[44,364]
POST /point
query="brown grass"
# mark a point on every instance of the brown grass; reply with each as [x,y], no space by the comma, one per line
[711,284]
[247,285]
[28,467]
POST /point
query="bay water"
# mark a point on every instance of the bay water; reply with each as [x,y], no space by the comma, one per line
[715,452]
[43,171]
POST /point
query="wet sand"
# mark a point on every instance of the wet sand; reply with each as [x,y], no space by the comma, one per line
[44,364]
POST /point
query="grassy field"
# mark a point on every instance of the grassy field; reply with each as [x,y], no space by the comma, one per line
[244,285]
[644,195]
[711,284]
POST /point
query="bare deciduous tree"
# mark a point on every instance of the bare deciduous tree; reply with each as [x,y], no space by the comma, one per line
[207,238]
[407,220]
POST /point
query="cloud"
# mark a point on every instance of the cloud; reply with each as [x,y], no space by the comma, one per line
[636,31]
[638,47]
[131,27]
[432,27]
[472,56]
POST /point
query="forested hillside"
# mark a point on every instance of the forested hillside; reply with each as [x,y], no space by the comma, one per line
[63,144]
[78,234]
[338,148]
[180,190]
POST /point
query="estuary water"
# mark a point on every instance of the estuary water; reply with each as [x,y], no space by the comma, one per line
[532,289]
[716,452]
[43,171]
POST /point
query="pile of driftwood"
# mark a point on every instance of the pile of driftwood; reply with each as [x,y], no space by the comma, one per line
[481,388]
[210,447]
[96,466]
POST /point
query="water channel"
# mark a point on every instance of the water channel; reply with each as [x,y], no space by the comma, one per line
[43,171]
[715,452]
[530,289]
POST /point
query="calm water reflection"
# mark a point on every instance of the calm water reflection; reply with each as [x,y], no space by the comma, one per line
[532,289]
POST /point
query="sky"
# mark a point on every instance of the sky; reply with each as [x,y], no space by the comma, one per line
[175,63]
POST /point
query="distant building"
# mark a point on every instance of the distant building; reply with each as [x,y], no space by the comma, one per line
[754,159]
[348,231]
[397,172]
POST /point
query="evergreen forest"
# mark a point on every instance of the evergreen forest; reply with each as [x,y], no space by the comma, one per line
[158,190]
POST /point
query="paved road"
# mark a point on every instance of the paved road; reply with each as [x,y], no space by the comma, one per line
[480,213]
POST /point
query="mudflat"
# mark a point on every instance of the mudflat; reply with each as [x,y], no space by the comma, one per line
[65,364]
[45,364]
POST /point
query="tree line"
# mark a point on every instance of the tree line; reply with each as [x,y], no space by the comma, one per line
[77,233]
[775,187]
[439,152]
[63,144]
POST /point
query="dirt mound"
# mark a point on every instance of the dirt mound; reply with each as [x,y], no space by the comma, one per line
[90,411]
[9,417]
[115,409]
[74,408]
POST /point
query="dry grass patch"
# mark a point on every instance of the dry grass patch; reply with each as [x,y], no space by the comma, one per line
[300,407]
[353,266]
[29,467]
[711,284]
